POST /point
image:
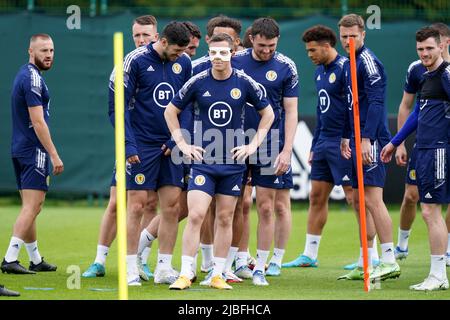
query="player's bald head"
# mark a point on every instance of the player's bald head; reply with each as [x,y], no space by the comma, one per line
[39,37]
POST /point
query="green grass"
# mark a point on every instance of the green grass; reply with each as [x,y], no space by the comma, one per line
[68,237]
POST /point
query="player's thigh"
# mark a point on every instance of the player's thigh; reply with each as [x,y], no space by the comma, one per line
[198,203]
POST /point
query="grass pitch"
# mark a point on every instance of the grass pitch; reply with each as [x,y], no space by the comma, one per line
[67,236]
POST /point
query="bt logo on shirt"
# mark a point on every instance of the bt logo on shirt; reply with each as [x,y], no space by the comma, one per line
[220,113]
[163,94]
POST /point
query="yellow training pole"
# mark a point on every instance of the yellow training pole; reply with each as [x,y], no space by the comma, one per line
[120,165]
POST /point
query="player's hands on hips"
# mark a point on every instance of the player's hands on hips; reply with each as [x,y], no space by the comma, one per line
[401,156]
[282,162]
[166,150]
[386,153]
[311,157]
[134,159]
[57,164]
[192,152]
[346,152]
[366,150]
[242,152]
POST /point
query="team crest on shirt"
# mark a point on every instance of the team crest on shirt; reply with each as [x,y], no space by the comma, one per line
[235,93]
[47,180]
[176,68]
[332,78]
[139,179]
[412,174]
[271,75]
[200,180]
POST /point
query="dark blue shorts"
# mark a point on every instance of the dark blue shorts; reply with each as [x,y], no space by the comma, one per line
[432,175]
[216,179]
[154,171]
[33,171]
[328,164]
[411,169]
[264,177]
[375,173]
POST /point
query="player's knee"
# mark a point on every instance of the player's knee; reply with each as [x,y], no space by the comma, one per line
[196,217]
[316,198]
[136,208]
[281,209]
[411,197]
[224,220]
[265,209]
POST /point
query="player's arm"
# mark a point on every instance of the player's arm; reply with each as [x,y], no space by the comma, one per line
[283,161]
[171,115]
[409,127]
[43,134]
[130,76]
[373,83]
[267,117]
[404,110]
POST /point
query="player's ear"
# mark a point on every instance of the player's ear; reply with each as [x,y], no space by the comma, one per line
[156,37]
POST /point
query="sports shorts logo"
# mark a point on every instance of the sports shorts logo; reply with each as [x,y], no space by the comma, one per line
[163,94]
[220,113]
[412,174]
[235,93]
[332,78]
[139,179]
[271,75]
[199,180]
[176,68]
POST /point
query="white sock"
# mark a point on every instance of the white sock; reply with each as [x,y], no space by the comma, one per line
[374,255]
[361,258]
[164,261]
[219,265]
[261,259]
[207,254]
[33,252]
[145,254]
[145,241]
[448,244]
[387,252]
[132,269]
[312,246]
[194,264]
[13,249]
[241,259]
[438,267]
[230,258]
[277,256]
[102,253]
[186,266]
[403,237]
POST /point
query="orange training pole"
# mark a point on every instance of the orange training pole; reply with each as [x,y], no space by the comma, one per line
[359,170]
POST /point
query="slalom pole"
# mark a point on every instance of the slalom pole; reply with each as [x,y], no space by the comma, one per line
[359,166]
[120,165]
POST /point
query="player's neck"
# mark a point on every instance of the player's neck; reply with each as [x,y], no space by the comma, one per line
[435,65]
[159,49]
[331,57]
[446,56]
[221,75]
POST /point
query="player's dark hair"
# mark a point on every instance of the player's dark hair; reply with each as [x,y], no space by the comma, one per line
[193,29]
[146,20]
[427,32]
[176,33]
[219,37]
[351,20]
[320,33]
[265,27]
[246,43]
[224,22]
[443,29]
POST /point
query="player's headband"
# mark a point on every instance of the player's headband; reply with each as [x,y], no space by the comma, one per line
[221,53]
